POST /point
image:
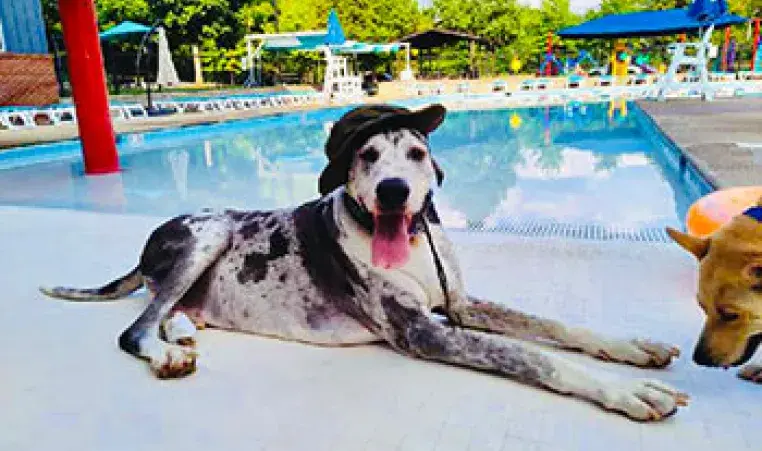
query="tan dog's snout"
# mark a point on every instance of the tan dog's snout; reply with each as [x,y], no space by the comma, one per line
[732,352]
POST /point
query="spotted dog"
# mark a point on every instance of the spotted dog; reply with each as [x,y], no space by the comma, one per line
[367,262]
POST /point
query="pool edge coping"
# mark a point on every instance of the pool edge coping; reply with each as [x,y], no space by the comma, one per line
[705,173]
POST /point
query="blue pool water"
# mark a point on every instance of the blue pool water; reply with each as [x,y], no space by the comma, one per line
[573,165]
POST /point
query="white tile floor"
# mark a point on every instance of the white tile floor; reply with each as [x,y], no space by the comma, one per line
[65,386]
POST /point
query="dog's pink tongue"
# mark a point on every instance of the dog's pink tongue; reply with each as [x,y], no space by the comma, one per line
[391,246]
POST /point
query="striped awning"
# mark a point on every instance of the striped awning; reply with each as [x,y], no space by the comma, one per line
[354,47]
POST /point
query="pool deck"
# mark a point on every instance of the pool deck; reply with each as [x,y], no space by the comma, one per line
[65,385]
[722,137]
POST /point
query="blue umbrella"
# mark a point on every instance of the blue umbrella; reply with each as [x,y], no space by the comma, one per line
[125,28]
[700,14]
[335,32]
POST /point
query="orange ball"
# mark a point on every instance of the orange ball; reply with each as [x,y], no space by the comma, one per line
[715,209]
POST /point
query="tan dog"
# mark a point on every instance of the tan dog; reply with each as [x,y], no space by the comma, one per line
[729,292]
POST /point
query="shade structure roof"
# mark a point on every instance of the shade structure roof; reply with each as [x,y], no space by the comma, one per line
[333,35]
[124,29]
[354,47]
[305,40]
[438,38]
[700,14]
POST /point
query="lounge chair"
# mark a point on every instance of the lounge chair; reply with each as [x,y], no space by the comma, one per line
[749,75]
[722,76]
[574,81]
[16,120]
[639,79]
[528,85]
[499,86]
[605,81]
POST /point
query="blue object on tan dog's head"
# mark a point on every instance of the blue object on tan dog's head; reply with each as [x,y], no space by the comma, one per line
[754,213]
[359,124]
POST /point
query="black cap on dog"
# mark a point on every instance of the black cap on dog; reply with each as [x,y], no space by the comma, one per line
[359,124]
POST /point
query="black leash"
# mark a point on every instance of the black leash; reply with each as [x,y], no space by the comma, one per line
[440,268]
[363,217]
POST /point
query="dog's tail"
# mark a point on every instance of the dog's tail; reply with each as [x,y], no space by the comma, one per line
[119,288]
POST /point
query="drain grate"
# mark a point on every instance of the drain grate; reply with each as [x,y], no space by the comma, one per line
[592,232]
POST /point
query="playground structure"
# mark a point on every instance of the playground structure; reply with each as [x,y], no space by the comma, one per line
[702,16]
[620,63]
[755,66]
[643,62]
[552,65]
[574,64]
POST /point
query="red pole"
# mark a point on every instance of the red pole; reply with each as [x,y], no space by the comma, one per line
[725,48]
[756,44]
[88,83]
[549,54]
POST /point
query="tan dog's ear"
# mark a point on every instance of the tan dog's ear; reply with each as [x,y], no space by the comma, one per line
[695,245]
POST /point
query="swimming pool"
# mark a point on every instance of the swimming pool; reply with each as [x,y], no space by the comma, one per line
[580,169]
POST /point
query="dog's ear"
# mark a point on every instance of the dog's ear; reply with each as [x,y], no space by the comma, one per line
[699,247]
[431,117]
[438,171]
[759,202]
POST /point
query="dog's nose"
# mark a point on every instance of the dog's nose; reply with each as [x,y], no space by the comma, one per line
[392,193]
[702,357]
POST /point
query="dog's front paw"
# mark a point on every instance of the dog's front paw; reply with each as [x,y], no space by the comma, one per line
[751,372]
[175,362]
[643,353]
[643,400]
[179,329]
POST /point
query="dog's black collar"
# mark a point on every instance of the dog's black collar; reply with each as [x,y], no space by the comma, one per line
[362,216]
[358,212]
[754,213]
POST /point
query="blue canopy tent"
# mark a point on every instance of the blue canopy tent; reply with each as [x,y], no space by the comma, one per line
[121,32]
[699,15]
[124,29]
[702,16]
[167,75]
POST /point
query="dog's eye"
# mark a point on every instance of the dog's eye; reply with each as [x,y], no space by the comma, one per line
[755,272]
[727,315]
[369,155]
[416,154]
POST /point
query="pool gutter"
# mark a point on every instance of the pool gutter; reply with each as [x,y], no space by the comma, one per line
[690,163]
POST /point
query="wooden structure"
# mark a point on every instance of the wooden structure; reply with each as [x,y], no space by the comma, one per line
[426,41]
